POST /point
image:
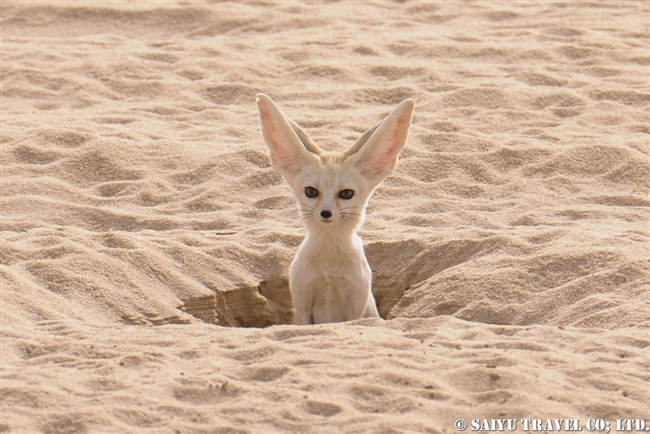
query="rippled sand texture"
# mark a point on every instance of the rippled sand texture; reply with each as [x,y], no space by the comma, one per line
[510,247]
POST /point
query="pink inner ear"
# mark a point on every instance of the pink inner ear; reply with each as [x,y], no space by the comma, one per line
[280,155]
[274,138]
[388,153]
[387,157]
[270,130]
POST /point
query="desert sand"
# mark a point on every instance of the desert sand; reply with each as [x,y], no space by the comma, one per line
[146,240]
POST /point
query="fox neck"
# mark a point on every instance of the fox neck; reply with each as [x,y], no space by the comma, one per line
[333,235]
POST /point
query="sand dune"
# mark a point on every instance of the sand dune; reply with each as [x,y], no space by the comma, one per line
[510,247]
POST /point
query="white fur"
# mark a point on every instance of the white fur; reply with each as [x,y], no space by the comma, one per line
[330,279]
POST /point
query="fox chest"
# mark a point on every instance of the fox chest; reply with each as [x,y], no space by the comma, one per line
[330,271]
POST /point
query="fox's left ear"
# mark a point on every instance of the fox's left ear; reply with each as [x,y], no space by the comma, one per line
[377,154]
[291,148]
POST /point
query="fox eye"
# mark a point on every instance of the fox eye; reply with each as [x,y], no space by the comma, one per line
[346,194]
[311,192]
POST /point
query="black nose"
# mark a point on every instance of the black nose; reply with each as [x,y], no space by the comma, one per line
[326,214]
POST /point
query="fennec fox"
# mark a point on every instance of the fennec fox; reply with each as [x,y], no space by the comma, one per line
[330,279]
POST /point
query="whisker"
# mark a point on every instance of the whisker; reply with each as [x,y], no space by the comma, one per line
[352,213]
[350,217]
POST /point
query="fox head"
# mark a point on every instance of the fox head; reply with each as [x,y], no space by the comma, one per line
[333,188]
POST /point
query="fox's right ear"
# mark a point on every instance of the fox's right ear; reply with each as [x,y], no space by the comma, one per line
[377,151]
[288,152]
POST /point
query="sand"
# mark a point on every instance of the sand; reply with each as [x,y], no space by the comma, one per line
[146,240]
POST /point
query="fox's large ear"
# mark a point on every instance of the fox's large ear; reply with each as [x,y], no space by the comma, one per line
[376,152]
[307,142]
[290,146]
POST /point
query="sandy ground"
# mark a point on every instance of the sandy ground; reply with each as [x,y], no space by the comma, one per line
[146,240]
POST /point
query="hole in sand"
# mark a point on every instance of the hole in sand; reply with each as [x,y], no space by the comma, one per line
[397,266]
